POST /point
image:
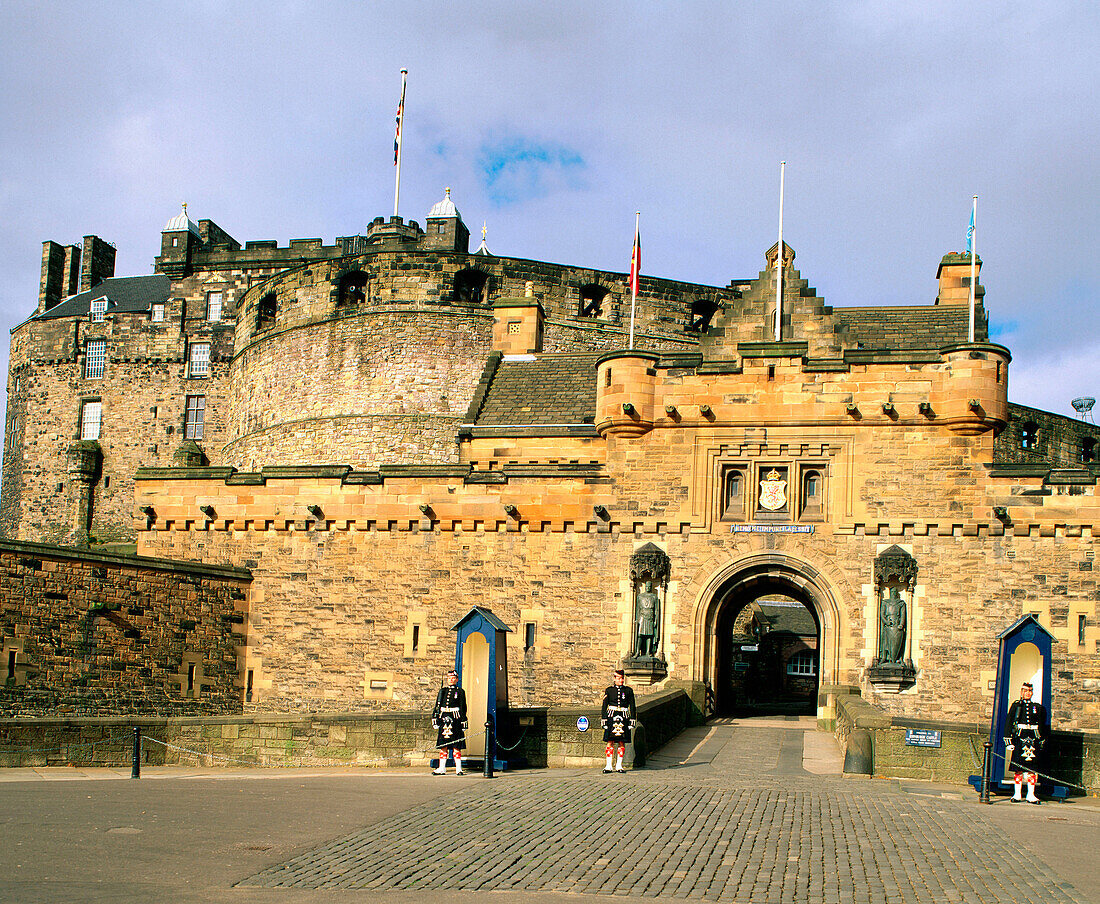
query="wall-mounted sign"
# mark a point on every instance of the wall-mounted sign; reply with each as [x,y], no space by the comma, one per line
[749,647]
[922,737]
[772,529]
[582,723]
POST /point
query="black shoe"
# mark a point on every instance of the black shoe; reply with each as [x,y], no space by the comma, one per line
[1016,800]
[608,771]
[1036,802]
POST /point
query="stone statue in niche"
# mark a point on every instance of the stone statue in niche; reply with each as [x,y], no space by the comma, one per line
[649,576]
[647,609]
[893,618]
[895,584]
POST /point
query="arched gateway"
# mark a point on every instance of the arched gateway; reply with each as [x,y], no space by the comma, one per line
[747,579]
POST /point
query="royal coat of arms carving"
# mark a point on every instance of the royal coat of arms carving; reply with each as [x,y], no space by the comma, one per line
[773,491]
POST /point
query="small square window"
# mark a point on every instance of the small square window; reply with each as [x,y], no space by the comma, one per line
[95,357]
[157,314]
[99,308]
[199,359]
[195,417]
[214,307]
[91,419]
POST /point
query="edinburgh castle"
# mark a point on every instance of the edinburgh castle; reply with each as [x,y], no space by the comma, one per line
[354,443]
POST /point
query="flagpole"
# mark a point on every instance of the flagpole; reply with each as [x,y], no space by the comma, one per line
[397,142]
[635,274]
[779,261]
[973,253]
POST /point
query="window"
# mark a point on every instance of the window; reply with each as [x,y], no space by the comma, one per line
[471,287]
[248,688]
[95,357]
[199,359]
[214,307]
[195,417]
[1088,450]
[353,288]
[1029,436]
[99,308]
[416,639]
[733,493]
[528,636]
[702,310]
[812,486]
[803,662]
[91,418]
[592,297]
[157,314]
[1081,623]
[266,310]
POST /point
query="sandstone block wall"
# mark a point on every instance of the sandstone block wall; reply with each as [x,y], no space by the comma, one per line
[86,633]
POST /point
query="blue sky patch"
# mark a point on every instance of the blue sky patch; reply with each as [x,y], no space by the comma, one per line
[998,328]
[518,169]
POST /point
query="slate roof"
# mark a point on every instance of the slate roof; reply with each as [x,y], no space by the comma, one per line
[795,619]
[550,389]
[925,327]
[125,294]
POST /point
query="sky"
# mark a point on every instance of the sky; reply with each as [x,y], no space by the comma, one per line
[554,122]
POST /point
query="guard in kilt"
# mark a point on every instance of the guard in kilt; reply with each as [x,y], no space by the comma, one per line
[1027,729]
[618,720]
[449,720]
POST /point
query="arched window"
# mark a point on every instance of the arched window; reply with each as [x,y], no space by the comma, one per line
[354,288]
[733,493]
[592,297]
[1029,436]
[812,487]
[266,311]
[1088,450]
[471,287]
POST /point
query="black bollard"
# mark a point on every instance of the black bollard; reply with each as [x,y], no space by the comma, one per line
[135,766]
[488,773]
[987,769]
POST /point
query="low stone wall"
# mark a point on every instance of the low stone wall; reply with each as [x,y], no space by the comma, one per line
[544,737]
[94,633]
[1073,757]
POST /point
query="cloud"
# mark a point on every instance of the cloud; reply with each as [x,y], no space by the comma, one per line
[515,169]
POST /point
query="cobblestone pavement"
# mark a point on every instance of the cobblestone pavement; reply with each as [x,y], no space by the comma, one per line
[728,813]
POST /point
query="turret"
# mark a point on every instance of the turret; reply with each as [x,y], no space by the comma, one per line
[446,231]
[178,240]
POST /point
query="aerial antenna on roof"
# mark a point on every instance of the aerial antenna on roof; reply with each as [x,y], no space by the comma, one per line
[1083,407]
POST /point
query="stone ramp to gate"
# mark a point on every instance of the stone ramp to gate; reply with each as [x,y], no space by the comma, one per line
[790,745]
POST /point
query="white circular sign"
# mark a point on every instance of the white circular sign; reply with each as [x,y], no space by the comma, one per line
[582,723]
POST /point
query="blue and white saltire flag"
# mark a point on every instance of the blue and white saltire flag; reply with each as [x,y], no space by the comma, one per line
[970,234]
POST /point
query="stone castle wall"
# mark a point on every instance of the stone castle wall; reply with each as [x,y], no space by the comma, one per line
[388,380]
[88,633]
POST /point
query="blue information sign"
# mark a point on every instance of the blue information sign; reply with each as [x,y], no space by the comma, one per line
[582,723]
[922,737]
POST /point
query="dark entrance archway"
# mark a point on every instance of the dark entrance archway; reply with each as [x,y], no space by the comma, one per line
[725,606]
[767,655]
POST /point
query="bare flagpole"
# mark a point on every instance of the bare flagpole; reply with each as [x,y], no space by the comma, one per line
[779,261]
[397,141]
[973,243]
[635,273]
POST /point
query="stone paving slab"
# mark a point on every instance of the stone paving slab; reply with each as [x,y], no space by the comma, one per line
[642,835]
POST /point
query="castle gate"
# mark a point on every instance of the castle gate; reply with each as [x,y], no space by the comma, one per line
[741,583]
